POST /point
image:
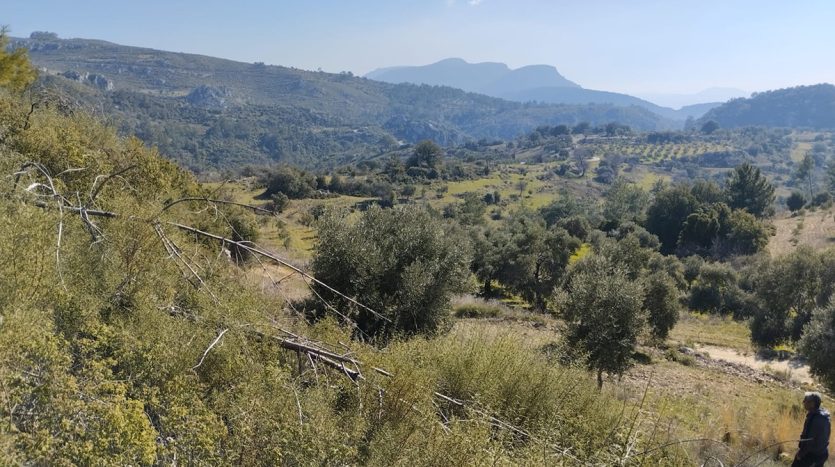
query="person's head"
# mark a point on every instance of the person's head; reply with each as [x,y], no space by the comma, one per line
[811,401]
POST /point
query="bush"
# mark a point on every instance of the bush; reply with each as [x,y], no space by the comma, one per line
[818,345]
[715,290]
[795,201]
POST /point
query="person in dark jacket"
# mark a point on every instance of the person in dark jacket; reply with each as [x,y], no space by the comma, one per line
[814,441]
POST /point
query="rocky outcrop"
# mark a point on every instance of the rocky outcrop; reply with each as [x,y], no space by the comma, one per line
[93,79]
[209,97]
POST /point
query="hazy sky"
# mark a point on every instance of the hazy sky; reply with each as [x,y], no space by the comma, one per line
[635,46]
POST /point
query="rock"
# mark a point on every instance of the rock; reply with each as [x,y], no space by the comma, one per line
[209,97]
[687,350]
[92,79]
[100,82]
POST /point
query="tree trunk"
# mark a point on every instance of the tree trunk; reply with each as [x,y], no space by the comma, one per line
[599,380]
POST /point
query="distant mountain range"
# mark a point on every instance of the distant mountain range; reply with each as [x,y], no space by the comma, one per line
[682,100]
[534,83]
[209,113]
[797,107]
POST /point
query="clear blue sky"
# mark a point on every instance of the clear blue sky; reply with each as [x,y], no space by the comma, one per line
[636,46]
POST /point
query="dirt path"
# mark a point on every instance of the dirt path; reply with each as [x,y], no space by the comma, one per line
[797,370]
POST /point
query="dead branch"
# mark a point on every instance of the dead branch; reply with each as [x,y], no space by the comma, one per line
[266,254]
[96,188]
[213,201]
[206,352]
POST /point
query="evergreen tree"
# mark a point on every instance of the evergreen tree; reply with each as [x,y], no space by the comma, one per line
[16,73]
[747,188]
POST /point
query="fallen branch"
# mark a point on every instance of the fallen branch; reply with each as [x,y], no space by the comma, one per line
[206,352]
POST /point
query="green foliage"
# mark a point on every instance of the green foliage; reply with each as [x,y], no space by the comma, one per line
[427,155]
[788,288]
[795,201]
[799,107]
[716,290]
[624,202]
[748,189]
[668,213]
[717,230]
[16,72]
[661,301]
[818,344]
[567,205]
[604,313]
[470,212]
[402,262]
[292,182]
[532,258]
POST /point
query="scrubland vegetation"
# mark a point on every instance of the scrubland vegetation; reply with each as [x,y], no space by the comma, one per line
[302,318]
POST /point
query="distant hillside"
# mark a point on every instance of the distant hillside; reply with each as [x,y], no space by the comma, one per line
[798,107]
[579,96]
[212,113]
[678,101]
[534,83]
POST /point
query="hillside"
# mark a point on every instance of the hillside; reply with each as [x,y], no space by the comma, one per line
[209,113]
[533,83]
[797,107]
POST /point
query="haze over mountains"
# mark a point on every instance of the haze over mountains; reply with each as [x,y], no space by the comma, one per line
[212,112]
[534,83]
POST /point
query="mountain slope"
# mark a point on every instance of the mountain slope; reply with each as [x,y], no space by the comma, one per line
[797,107]
[212,113]
[534,83]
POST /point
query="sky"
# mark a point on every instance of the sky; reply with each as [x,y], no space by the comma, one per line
[633,46]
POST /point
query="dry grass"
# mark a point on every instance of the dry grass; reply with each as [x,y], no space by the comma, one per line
[817,231]
[697,328]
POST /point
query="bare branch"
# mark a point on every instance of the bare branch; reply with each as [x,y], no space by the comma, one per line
[275,258]
[214,201]
[206,352]
[96,188]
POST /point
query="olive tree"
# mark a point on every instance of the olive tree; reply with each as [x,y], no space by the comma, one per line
[403,264]
[818,344]
[604,312]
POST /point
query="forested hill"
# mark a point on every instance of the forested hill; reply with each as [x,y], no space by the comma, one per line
[797,107]
[210,113]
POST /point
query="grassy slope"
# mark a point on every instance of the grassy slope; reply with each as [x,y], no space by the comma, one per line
[814,228]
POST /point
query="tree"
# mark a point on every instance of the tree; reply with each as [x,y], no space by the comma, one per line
[294,183]
[534,257]
[427,154]
[795,201]
[661,304]
[830,175]
[817,345]
[715,290]
[787,289]
[747,188]
[624,202]
[805,170]
[16,72]
[668,213]
[403,263]
[566,205]
[707,191]
[709,127]
[604,313]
